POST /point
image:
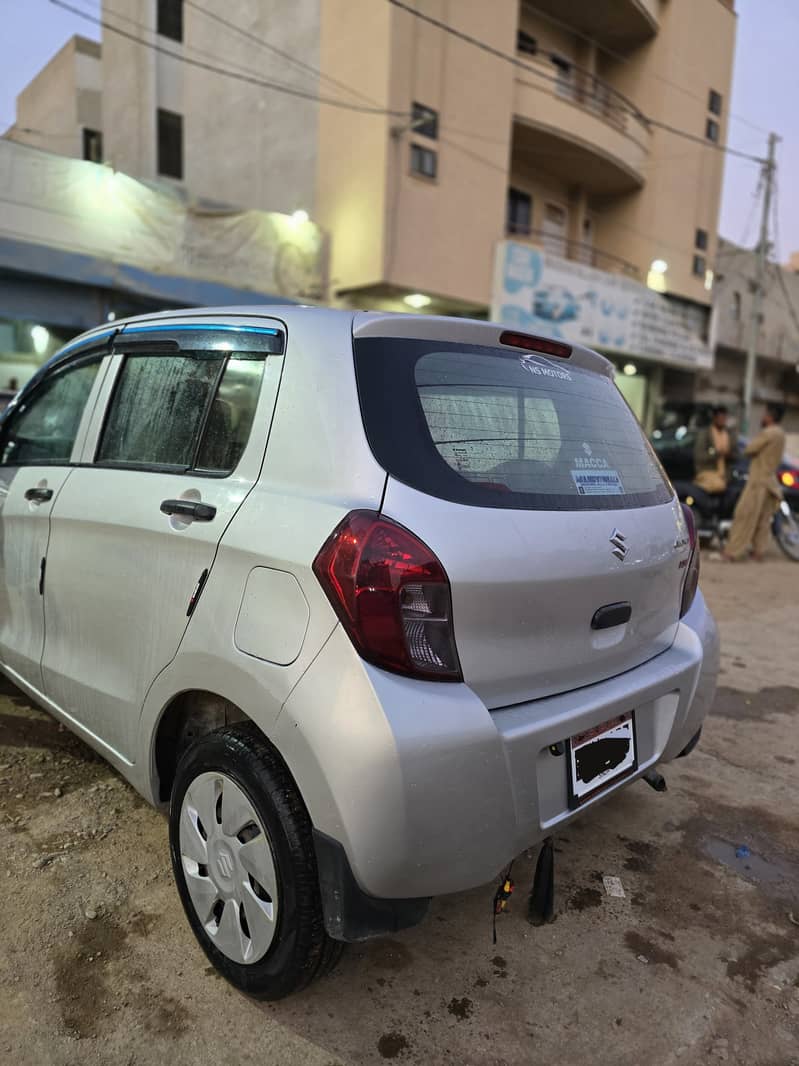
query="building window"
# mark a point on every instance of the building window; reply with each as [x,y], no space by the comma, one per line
[712,130]
[700,240]
[92,145]
[736,306]
[525,42]
[714,102]
[563,85]
[700,266]
[169,19]
[520,211]
[424,121]
[423,161]
[170,144]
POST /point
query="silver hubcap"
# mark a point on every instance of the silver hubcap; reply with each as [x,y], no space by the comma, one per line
[229,868]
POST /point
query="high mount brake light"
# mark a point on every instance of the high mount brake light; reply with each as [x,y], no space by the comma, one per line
[392,596]
[535,344]
[691,579]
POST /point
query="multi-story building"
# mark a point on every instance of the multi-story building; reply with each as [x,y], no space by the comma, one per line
[777,346]
[60,110]
[425,136]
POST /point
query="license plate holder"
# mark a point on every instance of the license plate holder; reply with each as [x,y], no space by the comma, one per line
[600,756]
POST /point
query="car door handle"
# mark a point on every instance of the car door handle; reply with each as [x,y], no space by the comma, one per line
[39,495]
[199,512]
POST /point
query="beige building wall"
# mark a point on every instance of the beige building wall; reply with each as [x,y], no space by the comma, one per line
[243,143]
[441,232]
[670,79]
[355,148]
[575,139]
[62,99]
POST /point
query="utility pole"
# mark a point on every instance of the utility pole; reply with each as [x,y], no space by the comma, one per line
[769,168]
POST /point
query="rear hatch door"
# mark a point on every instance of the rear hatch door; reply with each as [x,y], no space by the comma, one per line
[532,481]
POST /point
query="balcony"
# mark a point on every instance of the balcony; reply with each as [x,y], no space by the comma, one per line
[577,128]
[577,251]
[617,26]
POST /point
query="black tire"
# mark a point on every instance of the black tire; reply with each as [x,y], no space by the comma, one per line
[786,533]
[301,949]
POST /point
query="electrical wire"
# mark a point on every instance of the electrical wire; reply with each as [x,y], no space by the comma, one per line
[262,83]
[516,62]
[626,59]
[149,30]
[248,35]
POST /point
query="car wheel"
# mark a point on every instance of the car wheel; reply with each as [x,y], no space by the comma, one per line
[244,863]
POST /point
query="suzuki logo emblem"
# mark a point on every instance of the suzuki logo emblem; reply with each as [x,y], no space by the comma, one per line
[224,862]
[618,539]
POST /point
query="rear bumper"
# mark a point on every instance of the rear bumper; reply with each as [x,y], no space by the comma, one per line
[428,792]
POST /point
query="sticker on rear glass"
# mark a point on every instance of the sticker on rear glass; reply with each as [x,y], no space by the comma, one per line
[545,368]
[597,483]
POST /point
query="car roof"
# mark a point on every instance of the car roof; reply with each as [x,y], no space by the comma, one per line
[364,324]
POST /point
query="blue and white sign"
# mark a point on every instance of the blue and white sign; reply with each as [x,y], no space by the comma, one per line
[541,293]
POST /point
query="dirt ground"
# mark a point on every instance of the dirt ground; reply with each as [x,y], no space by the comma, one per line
[699,962]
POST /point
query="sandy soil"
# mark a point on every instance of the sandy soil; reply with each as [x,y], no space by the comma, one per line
[699,962]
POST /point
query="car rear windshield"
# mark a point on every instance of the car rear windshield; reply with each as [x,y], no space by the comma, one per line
[493,427]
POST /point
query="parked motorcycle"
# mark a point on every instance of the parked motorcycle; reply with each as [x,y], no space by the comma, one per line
[713,513]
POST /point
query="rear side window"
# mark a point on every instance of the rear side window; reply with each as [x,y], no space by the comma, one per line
[192,410]
[493,427]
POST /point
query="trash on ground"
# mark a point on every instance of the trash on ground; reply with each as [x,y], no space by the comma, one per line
[613,886]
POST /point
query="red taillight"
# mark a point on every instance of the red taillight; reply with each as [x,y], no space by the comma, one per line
[789,478]
[392,596]
[691,579]
[535,344]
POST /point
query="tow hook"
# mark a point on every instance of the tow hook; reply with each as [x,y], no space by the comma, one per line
[655,780]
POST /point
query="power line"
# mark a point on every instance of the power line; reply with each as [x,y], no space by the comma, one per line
[276,51]
[516,62]
[262,83]
[233,64]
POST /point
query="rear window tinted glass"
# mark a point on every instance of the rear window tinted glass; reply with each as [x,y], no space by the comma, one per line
[501,428]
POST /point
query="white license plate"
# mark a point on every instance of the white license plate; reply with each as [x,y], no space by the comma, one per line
[600,756]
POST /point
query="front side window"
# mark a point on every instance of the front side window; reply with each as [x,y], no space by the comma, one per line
[180,412]
[43,427]
[498,427]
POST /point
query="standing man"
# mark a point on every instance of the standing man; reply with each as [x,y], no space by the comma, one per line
[761,497]
[714,453]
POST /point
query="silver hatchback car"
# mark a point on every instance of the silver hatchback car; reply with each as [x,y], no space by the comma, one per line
[372,602]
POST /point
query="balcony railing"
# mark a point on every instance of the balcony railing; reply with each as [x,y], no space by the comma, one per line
[578,86]
[577,251]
